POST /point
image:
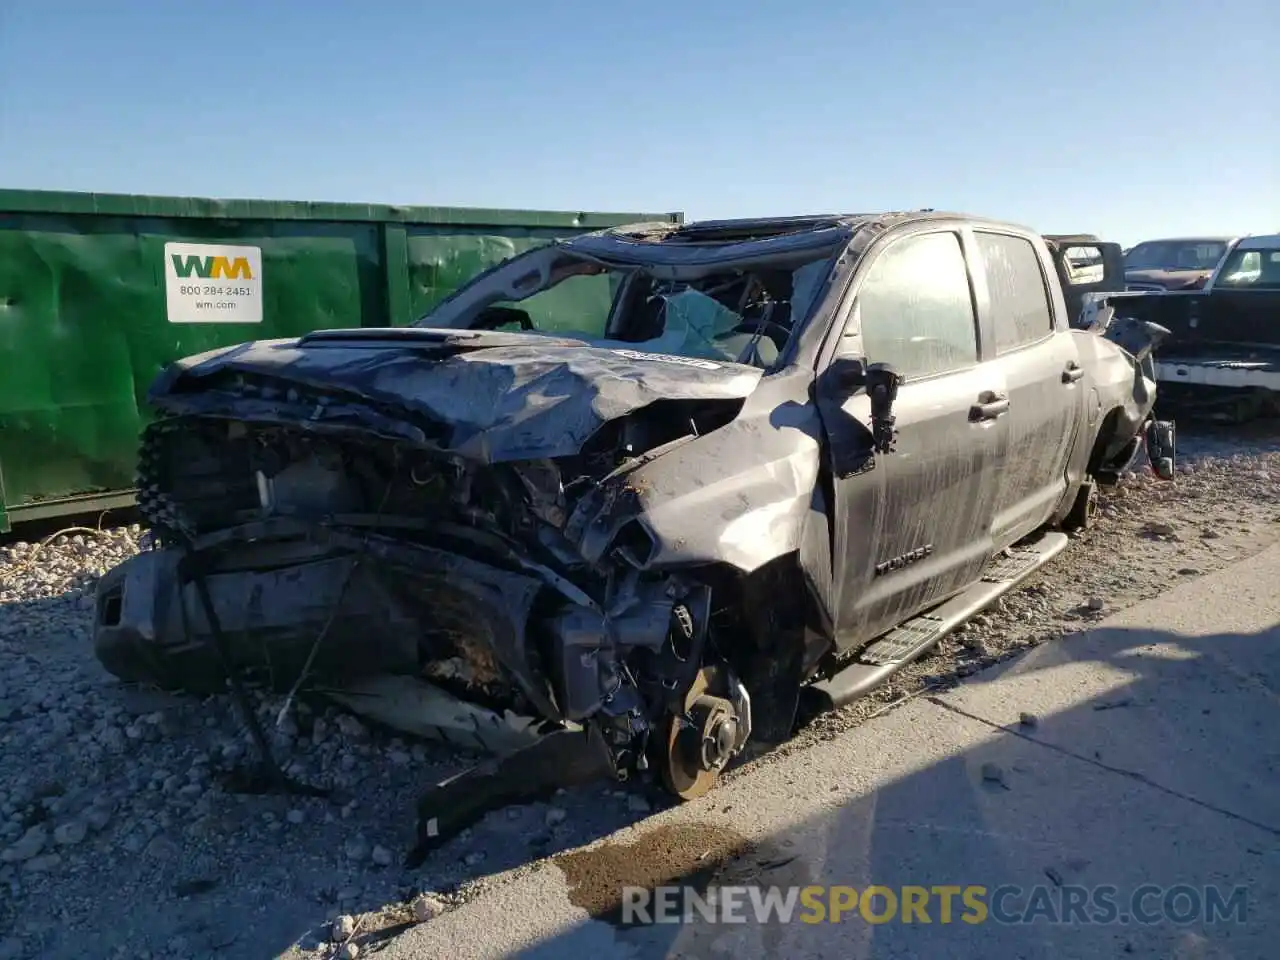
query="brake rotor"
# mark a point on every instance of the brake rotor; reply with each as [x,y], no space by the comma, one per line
[681,763]
[696,747]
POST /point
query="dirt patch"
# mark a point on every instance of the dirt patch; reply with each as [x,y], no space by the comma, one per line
[687,855]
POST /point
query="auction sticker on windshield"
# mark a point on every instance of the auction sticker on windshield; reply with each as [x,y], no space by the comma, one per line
[213,283]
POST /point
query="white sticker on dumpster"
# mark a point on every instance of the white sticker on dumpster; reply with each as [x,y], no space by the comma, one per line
[213,283]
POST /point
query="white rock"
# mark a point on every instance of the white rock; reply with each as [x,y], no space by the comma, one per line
[26,847]
[70,833]
[426,907]
[349,726]
[382,856]
[44,863]
[343,927]
[355,849]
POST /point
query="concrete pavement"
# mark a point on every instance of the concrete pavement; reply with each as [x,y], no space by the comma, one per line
[1151,759]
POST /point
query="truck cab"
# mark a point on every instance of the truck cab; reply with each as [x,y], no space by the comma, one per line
[1174,264]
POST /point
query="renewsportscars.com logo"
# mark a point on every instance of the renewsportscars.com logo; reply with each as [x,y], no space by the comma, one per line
[213,283]
[973,904]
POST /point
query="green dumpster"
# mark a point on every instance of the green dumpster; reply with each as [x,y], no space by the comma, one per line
[99,291]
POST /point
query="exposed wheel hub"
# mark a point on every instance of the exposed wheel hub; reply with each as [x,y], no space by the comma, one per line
[719,732]
[700,743]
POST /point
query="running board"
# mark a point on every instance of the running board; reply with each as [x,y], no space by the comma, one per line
[882,658]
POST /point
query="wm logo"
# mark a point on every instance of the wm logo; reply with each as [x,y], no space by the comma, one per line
[212,268]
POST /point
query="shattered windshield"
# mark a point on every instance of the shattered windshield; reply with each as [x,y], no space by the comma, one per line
[737,314]
[1175,255]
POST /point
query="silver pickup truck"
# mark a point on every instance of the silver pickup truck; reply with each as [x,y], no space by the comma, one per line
[782,459]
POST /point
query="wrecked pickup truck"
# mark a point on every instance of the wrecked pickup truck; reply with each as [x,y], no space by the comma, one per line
[783,457]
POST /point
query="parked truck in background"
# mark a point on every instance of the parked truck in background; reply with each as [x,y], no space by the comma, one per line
[1222,358]
[98,292]
[1181,263]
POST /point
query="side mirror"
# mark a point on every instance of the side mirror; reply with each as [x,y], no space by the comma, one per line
[847,375]
[882,382]
[490,318]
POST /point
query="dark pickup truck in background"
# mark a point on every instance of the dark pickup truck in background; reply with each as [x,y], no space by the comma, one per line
[1182,263]
[1222,358]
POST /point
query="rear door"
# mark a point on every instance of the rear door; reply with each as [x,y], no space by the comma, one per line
[1024,318]
[916,528]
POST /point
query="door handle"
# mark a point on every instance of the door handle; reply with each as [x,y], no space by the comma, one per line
[1072,373]
[989,406]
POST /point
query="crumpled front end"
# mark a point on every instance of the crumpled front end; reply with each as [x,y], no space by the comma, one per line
[426,589]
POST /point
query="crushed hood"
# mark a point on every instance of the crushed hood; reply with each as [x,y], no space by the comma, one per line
[483,395]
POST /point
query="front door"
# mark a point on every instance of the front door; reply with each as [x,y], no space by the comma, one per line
[1040,363]
[1244,303]
[916,528]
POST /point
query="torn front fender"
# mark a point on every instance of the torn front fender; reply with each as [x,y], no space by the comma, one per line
[1135,336]
[1117,353]
[739,495]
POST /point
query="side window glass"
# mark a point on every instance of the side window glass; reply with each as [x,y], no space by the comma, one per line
[915,309]
[1246,270]
[1019,298]
[577,305]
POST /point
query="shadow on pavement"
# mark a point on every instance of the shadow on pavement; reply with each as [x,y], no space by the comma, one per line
[1157,765]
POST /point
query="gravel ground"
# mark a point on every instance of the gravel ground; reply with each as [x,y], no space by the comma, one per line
[120,837]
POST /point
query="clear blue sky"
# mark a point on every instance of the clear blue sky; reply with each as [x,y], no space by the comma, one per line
[1128,118]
